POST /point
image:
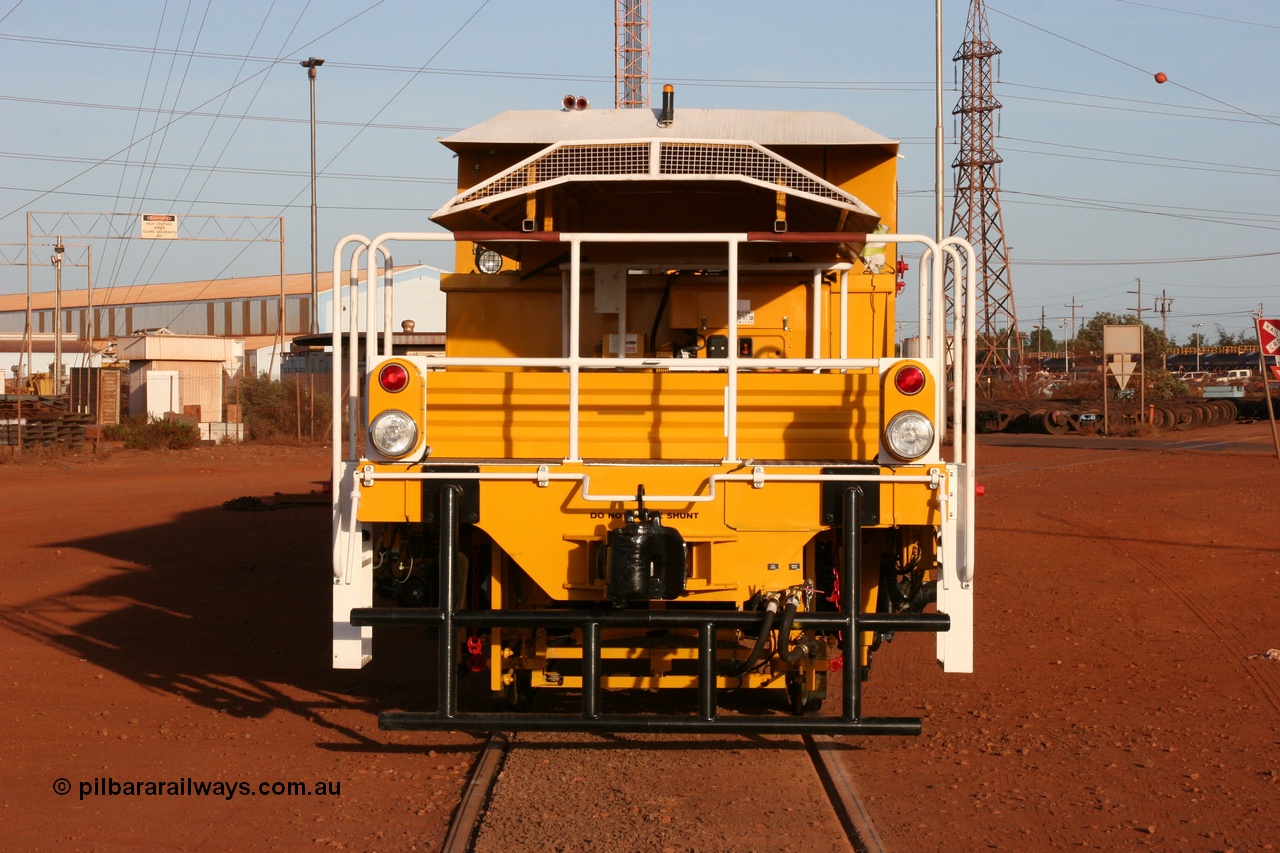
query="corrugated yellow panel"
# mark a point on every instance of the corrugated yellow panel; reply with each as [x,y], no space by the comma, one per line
[658,415]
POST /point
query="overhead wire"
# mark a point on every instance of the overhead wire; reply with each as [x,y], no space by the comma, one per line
[178,116]
[191,169]
[1105,55]
[427,128]
[146,172]
[237,170]
[12,9]
[690,81]
[360,130]
[1200,14]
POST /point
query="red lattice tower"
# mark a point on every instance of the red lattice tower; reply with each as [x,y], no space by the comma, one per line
[976,215]
[631,38]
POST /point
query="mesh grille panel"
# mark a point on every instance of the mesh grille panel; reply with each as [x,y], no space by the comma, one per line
[598,159]
[718,158]
[675,158]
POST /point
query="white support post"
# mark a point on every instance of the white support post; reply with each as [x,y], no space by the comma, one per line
[575,344]
[731,398]
[955,598]
[352,645]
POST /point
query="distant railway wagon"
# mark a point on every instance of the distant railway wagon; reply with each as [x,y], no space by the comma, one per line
[668,446]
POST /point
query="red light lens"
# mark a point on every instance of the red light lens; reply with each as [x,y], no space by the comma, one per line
[393,378]
[909,380]
[569,102]
[582,104]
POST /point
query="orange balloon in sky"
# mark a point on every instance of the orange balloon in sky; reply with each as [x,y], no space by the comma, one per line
[1160,77]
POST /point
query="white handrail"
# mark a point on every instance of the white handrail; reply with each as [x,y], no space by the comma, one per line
[966,360]
[573,362]
[758,477]
[731,393]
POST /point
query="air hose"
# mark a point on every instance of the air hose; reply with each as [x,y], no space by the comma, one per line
[739,667]
[788,654]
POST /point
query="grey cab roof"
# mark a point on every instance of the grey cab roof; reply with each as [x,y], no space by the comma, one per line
[765,127]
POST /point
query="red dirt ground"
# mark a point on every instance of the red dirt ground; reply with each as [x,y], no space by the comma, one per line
[1121,699]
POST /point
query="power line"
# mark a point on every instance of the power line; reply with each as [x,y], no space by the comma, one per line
[428,128]
[1105,262]
[1135,67]
[1201,15]
[185,113]
[233,170]
[1182,163]
[1116,207]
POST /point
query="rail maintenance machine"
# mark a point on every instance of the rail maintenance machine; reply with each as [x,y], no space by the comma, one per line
[670,442]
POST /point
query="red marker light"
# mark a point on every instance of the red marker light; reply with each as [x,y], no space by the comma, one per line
[393,378]
[909,380]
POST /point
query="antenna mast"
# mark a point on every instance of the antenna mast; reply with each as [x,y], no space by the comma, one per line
[631,38]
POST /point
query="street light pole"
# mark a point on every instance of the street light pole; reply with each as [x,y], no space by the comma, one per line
[311,64]
[1199,343]
[56,260]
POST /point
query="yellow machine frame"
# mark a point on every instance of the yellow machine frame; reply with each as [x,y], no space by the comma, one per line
[768,443]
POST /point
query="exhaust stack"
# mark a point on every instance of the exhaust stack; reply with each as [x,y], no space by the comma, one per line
[668,114]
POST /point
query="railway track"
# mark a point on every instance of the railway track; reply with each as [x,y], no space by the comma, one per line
[823,753]
[475,796]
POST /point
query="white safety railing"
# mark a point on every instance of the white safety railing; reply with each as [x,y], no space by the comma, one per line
[932,317]
[573,362]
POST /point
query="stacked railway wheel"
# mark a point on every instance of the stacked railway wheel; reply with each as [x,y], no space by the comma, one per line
[1078,417]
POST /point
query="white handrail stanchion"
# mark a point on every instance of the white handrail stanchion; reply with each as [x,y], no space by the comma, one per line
[844,316]
[387,301]
[575,341]
[337,328]
[731,401]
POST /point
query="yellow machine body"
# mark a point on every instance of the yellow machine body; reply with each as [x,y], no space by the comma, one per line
[614,362]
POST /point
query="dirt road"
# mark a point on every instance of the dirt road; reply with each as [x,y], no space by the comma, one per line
[156,642]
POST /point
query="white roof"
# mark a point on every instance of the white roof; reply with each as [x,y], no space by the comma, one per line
[765,127]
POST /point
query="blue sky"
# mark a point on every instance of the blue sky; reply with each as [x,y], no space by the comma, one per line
[201,108]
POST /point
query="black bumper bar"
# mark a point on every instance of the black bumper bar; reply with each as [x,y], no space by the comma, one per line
[849,623]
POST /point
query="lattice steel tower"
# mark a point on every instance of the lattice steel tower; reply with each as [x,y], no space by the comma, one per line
[631,37]
[976,215]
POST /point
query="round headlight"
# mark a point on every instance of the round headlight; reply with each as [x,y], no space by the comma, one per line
[909,435]
[488,261]
[393,433]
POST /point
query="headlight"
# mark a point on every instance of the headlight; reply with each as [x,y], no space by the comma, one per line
[909,435]
[393,433]
[488,261]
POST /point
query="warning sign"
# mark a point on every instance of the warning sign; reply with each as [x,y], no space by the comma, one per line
[1269,336]
[1121,367]
[159,226]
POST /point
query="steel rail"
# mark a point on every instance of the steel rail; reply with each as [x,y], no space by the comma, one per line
[843,795]
[475,796]
[840,789]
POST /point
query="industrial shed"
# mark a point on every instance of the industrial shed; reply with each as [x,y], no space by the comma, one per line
[177,373]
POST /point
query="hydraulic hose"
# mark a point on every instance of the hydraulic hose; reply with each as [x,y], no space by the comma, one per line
[925,595]
[739,667]
[788,654]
